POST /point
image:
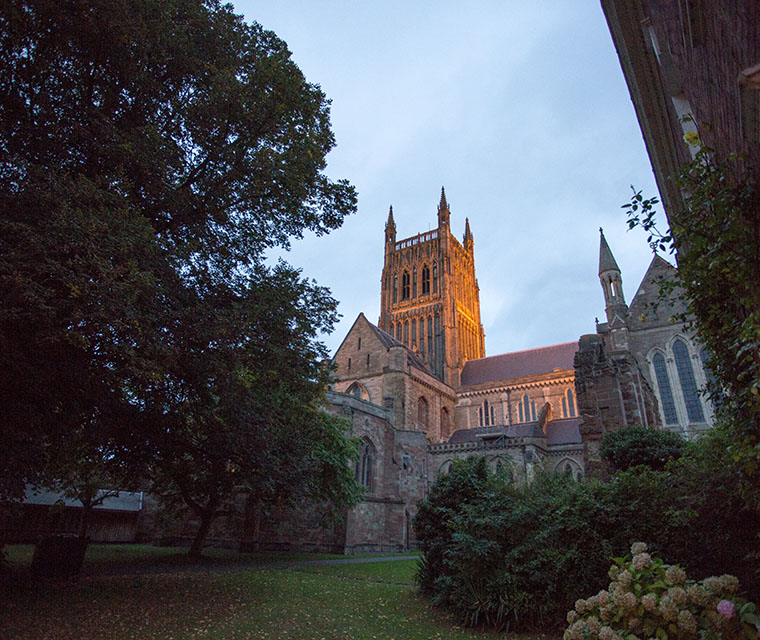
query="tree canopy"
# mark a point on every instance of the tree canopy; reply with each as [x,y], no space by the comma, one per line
[150,154]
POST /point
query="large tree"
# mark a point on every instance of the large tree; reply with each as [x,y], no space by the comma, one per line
[150,153]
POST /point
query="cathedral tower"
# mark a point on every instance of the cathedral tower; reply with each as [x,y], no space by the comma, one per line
[430,297]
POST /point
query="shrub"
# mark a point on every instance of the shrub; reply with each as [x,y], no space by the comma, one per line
[635,445]
[649,599]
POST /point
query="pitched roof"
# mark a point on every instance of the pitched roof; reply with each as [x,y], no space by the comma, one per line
[519,364]
[563,431]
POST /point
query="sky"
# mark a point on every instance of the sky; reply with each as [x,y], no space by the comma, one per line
[519,108]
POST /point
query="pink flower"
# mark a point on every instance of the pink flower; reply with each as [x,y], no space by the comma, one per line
[726,609]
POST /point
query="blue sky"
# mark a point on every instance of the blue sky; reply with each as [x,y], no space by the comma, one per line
[518,108]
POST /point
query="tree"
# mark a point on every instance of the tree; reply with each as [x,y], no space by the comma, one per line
[635,445]
[715,230]
[150,153]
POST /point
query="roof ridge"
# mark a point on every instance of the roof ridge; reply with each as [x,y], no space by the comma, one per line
[508,353]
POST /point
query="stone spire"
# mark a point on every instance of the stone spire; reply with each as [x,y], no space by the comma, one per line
[611,281]
[443,210]
[390,227]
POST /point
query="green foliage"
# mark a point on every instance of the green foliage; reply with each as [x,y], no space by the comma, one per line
[519,555]
[714,230]
[634,445]
[650,599]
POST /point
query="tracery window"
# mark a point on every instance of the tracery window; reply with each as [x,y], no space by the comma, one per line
[414,282]
[406,333]
[364,465]
[570,397]
[666,393]
[435,277]
[425,279]
[395,288]
[487,414]
[405,285]
[688,382]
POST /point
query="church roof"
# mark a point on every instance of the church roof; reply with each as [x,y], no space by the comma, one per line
[564,431]
[519,364]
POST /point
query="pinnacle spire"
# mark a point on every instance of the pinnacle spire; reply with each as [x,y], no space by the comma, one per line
[390,228]
[443,205]
[390,217]
[606,259]
[467,232]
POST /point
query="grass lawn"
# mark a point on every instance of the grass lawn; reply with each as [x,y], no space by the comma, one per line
[370,600]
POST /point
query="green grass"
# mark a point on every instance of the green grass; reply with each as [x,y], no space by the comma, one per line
[399,572]
[133,557]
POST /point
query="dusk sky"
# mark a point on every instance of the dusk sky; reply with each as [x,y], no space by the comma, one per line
[519,108]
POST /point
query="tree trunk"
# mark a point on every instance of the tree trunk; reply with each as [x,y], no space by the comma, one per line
[84,520]
[207,517]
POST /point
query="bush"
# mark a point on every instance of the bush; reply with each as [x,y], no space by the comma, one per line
[649,599]
[635,445]
[519,555]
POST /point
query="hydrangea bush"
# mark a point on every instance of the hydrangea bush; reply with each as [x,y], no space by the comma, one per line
[648,599]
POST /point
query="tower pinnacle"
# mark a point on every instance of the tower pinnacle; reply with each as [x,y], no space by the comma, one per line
[606,259]
[443,209]
[390,227]
[611,280]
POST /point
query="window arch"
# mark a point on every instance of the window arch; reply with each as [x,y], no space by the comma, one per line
[525,408]
[445,467]
[364,471]
[487,414]
[414,282]
[430,351]
[422,411]
[666,393]
[398,332]
[444,421]
[570,396]
[395,288]
[435,277]
[688,382]
[405,285]
[425,279]
[358,391]
[406,332]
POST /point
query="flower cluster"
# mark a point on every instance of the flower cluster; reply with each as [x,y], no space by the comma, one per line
[648,599]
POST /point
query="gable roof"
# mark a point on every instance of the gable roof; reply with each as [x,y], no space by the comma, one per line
[519,364]
[388,341]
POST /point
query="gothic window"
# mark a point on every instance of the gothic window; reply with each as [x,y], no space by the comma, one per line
[526,408]
[521,415]
[414,332]
[364,465]
[688,382]
[666,394]
[435,277]
[444,421]
[425,279]
[395,288]
[358,391]
[564,407]
[422,335]
[406,333]
[405,285]
[391,330]
[422,412]
[532,409]
[398,332]
[414,282]
[570,403]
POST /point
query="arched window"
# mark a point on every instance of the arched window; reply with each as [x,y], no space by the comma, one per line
[395,288]
[526,407]
[570,403]
[406,333]
[422,336]
[521,414]
[666,393]
[364,475]
[414,282]
[422,412]
[688,382]
[425,279]
[435,277]
[391,330]
[358,391]
[398,332]
[445,468]
[405,285]
[487,414]
[414,333]
[564,407]
[532,409]
[444,421]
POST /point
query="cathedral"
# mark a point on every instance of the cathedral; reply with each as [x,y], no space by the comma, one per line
[421,392]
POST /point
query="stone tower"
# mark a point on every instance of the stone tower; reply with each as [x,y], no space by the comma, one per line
[430,297]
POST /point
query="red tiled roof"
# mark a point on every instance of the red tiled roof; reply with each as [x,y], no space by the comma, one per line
[519,364]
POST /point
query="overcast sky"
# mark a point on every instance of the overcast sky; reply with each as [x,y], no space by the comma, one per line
[517,107]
